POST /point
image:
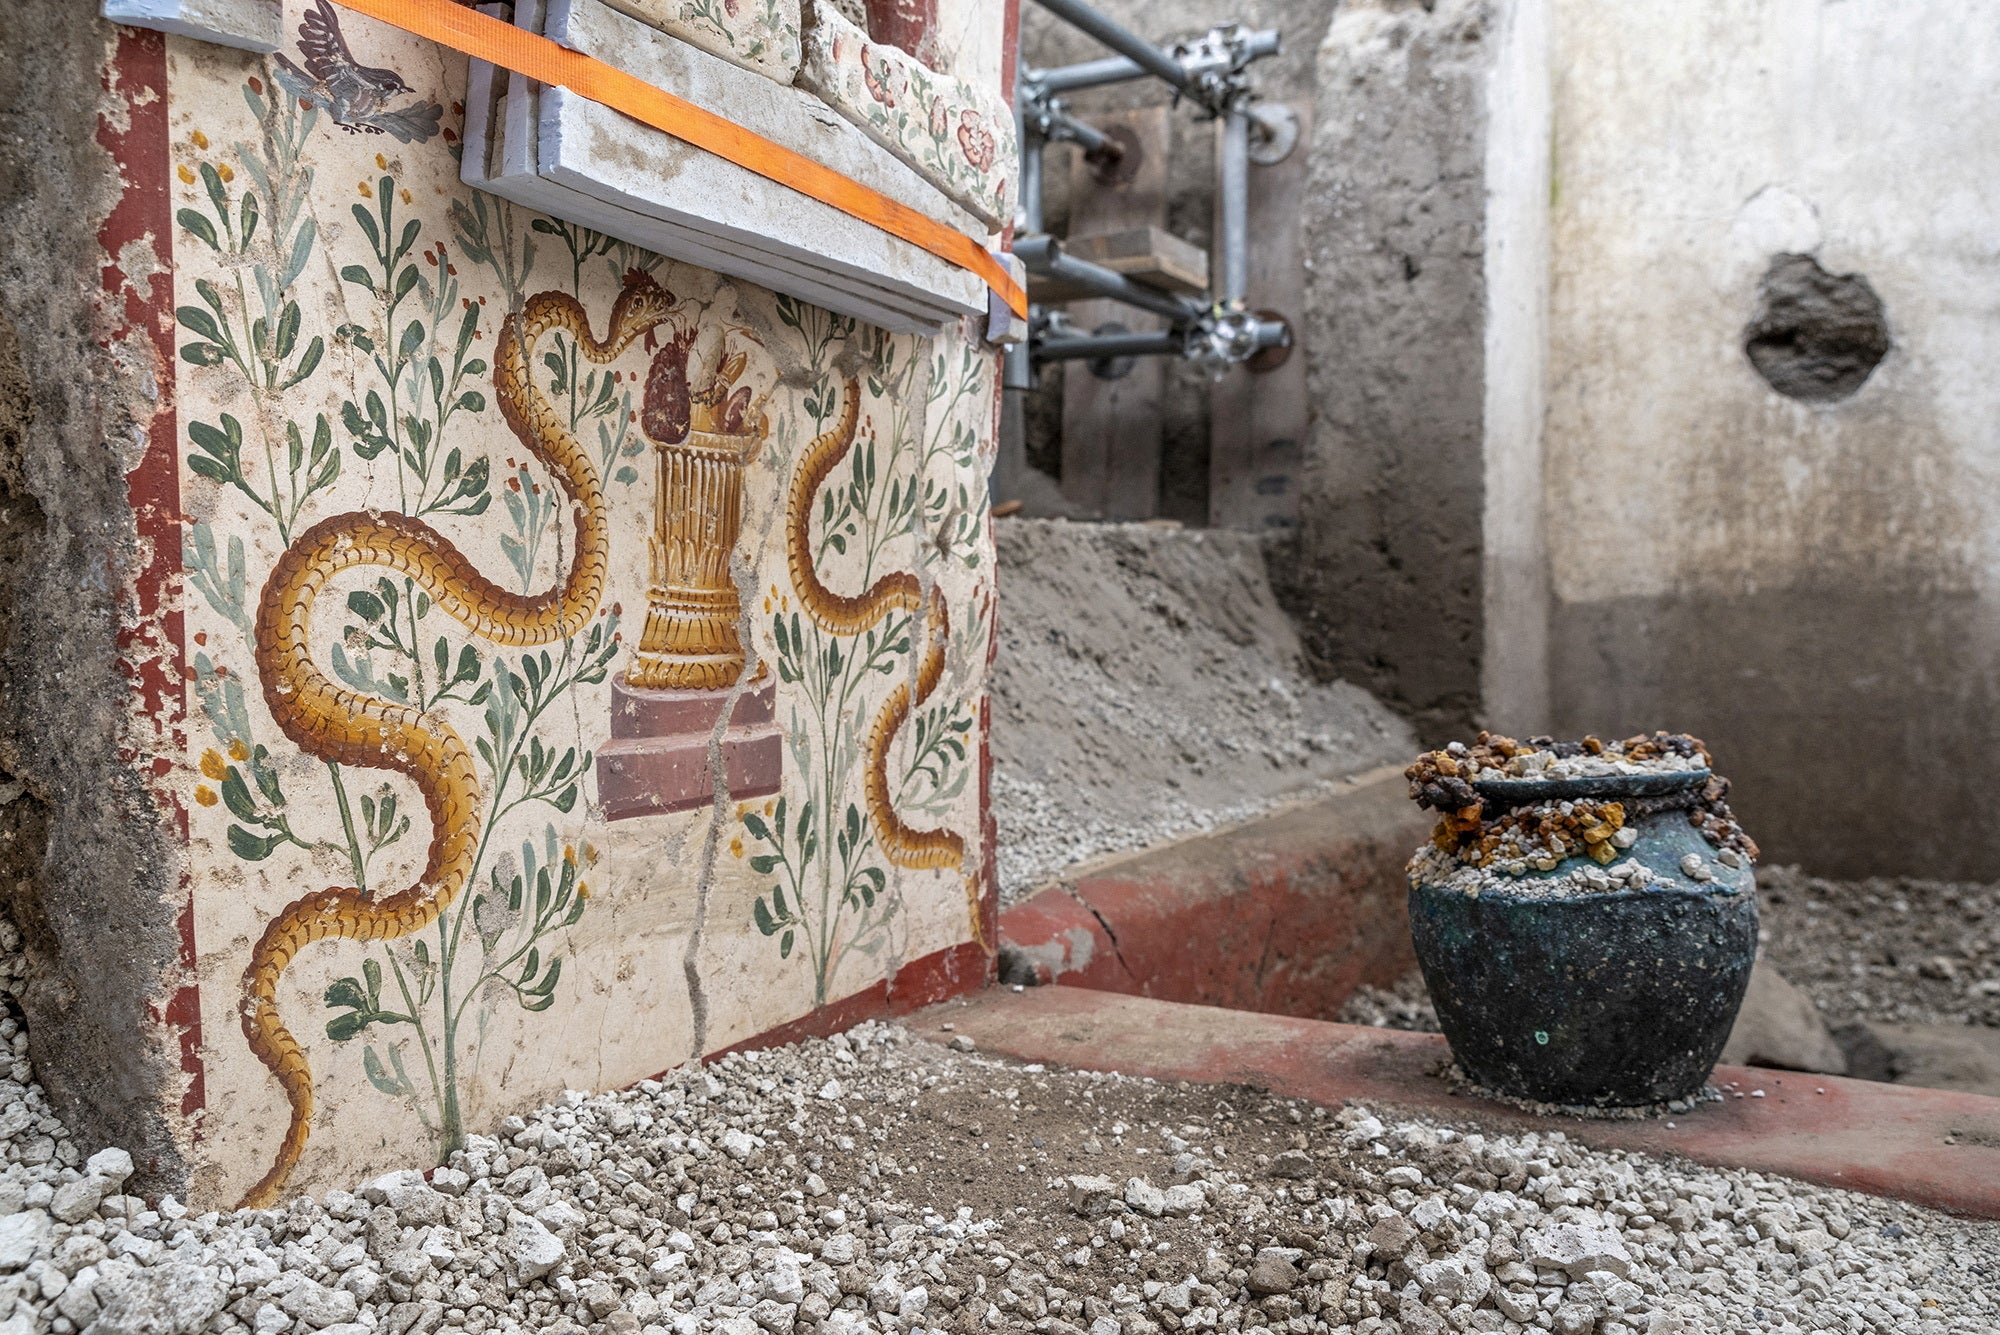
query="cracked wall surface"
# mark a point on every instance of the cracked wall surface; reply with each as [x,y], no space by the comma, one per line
[513,662]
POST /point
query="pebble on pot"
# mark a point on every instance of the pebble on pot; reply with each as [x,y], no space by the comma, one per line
[1585,914]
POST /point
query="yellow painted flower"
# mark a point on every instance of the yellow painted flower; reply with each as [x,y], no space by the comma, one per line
[367,192]
[204,795]
[381,162]
[224,170]
[238,751]
[408,198]
[187,177]
[583,889]
[212,766]
[736,847]
[200,139]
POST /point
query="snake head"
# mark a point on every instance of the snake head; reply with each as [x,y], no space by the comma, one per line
[644,303]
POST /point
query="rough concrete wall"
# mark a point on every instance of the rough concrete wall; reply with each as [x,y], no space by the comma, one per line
[1384,574]
[1288,76]
[1814,586]
[87,851]
[1147,686]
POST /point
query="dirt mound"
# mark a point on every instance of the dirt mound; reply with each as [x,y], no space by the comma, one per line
[1148,686]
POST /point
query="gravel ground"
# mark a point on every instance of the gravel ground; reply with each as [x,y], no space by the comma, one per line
[1903,951]
[1405,1005]
[1148,686]
[877,1183]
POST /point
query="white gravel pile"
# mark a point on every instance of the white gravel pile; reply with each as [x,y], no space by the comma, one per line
[874,1183]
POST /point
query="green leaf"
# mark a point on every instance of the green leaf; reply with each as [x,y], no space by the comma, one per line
[308,363]
[755,824]
[366,605]
[267,778]
[200,226]
[360,277]
[301,251]
[765,863]
[250,847]
[288,329]
[203,354]
[217,194]
[347,992]
[236,796]
[367,220]
[413,338]
[380,1078]
[785,944]
[765,923]
[472,401]
[345,1026]
[200,321]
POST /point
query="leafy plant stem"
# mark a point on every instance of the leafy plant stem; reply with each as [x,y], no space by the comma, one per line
[354,854]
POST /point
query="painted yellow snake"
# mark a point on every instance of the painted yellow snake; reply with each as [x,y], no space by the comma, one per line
[842,614]
[327,720]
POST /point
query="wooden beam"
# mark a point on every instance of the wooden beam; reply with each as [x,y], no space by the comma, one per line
[1150,255]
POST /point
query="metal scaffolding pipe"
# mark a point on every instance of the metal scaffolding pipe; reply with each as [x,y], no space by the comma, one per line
[1089,347]
[1232,282]
[1096,145]
[1126,43]
[1031,183]
[1088,74]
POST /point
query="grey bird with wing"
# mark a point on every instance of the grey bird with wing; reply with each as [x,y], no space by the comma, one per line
[356,96]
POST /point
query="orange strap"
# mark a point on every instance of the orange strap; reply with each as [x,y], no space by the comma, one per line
[502,44]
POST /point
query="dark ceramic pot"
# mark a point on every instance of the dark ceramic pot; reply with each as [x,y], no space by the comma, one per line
[1606,999]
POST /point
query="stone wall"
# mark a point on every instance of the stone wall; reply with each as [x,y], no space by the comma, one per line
[455,656]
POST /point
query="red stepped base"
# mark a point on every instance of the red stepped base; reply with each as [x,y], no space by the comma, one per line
[658,758]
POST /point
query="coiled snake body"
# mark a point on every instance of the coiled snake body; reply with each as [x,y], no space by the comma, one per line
[325,719]
[842,614]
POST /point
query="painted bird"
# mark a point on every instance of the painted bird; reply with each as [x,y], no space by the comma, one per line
[355,95]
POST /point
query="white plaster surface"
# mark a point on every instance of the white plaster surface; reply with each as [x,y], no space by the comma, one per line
[1694,140]
[1514,668]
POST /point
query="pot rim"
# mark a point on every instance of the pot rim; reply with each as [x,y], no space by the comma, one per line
[1518,890]
[1529,792]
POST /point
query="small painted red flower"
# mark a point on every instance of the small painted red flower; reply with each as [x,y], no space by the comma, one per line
[880,76]
[975,141]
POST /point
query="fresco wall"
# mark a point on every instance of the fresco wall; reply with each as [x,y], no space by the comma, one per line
[584,652]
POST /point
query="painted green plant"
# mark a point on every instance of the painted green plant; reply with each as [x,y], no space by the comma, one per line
[830,898]
[413,413]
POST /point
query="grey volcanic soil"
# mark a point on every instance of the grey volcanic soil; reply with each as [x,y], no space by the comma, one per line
[1148,686]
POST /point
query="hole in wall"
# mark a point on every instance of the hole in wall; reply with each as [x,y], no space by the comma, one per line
[1816,336]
